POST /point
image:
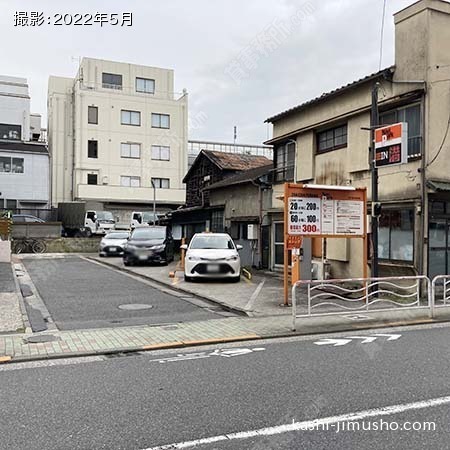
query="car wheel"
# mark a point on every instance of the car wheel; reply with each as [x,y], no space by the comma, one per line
[187,279]
[236,279]
[127,262]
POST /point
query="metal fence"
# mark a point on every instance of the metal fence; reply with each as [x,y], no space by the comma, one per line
[48,215]
[333,297]
[440,291]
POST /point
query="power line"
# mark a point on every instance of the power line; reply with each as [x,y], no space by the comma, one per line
[382,34]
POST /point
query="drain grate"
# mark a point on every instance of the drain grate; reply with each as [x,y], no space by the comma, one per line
[41,338]
[134,306]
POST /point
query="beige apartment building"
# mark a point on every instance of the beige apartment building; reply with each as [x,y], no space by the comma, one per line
[113,130]
[332,148]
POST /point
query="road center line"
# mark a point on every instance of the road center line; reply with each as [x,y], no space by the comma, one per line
[308,424]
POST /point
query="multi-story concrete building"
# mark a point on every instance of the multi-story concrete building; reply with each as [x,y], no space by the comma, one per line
[332,141]
[24,159]
[114,130]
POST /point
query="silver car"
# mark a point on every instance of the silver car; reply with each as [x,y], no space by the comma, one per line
[113,243]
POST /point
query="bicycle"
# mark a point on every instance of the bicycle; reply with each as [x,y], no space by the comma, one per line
[24,244]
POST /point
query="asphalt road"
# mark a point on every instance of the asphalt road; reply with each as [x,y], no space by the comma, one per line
[80,294]
[138,402]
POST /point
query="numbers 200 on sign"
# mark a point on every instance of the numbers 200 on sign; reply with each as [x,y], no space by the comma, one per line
[304,215]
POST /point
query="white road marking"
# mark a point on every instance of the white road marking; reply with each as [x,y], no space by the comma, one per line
[251,302]
[391,337]
[226,353]
[308,424]
[338,342]
[365,339]
[334,342]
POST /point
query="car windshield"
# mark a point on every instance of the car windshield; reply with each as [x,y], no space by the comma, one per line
[212,242]
[149,233]
[104,215]
[149,217]
[117,236]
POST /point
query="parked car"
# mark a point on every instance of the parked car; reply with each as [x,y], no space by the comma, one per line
[113,243]
[26,218]
[212,255]
[152,244]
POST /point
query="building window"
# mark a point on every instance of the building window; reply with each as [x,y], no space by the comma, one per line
[217,222]
[127,181]
[11,204]
[93,115]
[130,150]
[412,115]
[9,164]
[10,132]
[145,85]
[161,152]
[160,120]
[396,235]
[332,139]
[284,162]
[161,183]
[111,81]
[91,178]
[130,117]
[93,149]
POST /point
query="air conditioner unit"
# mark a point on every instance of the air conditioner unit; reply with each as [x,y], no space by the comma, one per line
[321,270]
[252,231]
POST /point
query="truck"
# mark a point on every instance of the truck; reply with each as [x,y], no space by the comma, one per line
[144,218]
[78,221]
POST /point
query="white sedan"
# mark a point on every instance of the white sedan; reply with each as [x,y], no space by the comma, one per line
[212,255]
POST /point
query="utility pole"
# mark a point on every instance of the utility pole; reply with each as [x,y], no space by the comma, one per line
[374,119]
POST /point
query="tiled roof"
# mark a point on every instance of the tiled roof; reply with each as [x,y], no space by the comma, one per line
[245,176]
[27,147]
[386,73]
[236,161]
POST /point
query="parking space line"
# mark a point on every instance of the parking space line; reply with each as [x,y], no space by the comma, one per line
[251,302]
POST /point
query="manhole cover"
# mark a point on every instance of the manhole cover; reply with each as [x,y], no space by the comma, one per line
[135,306]
[41,338]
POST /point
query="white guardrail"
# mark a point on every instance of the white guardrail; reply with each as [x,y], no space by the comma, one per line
[440,292]
[333,297]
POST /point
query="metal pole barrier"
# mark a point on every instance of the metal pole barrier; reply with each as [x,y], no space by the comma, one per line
[294,306]
[431,296]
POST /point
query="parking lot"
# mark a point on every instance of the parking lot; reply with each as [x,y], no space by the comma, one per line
[81,294]
[259,296]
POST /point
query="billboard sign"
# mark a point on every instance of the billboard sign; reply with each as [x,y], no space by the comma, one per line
[325,212]
[391,145]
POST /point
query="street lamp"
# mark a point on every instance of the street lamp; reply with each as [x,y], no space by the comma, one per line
[292,141]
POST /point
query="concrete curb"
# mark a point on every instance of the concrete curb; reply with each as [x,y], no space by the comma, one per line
[223,305]
[23,311]
[351,327]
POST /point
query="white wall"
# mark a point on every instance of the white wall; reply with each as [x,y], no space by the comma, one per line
[33,184]
[15,104]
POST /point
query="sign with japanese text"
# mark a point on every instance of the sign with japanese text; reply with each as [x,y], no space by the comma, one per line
[391,145]
[325,212]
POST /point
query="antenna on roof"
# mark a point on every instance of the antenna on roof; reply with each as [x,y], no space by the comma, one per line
[235,135]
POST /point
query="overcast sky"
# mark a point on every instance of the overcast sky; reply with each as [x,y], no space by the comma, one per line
[240,60]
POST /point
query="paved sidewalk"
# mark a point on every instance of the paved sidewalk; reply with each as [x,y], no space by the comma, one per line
[10,311]
[113,340]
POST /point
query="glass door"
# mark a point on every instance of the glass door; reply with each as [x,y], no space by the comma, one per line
[439,251]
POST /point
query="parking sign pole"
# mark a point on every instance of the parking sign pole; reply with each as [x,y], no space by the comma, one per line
[373,124]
